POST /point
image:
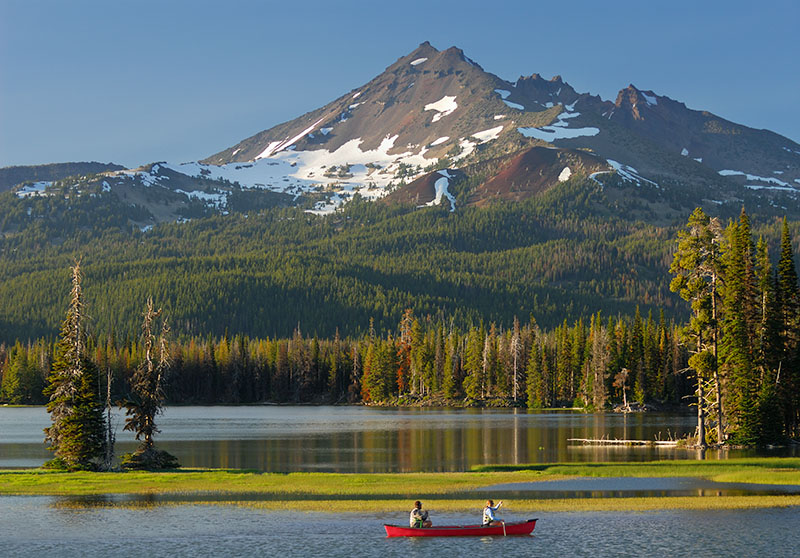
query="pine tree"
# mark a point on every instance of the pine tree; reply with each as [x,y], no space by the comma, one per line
[787,298]
[147,397]
[534,379]
[696,267]
[598,367]
[449,381]
[12,387]
[407,376]
[474,366]
[564,372]
[77,433]
[768,349]
[516,357]
[737,352]
[637,358]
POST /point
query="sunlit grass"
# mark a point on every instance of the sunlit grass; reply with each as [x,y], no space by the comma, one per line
[387,492]
[517,509]
[748,470]
[232,481]
[528,508]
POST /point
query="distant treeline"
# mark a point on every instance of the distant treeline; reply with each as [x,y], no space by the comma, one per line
[423,361]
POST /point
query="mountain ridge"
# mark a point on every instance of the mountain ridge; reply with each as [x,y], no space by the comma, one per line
[438,110]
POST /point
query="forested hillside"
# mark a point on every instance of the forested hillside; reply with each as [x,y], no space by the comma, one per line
[11,176]
[561,255]
[565,254]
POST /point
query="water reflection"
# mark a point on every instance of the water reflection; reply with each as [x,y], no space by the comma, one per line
[362,439]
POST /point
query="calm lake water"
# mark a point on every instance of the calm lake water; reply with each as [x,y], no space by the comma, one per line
[366,439]
[41,526]
[369,439]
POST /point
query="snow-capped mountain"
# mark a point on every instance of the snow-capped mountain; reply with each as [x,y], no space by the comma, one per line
[435,118]
[436,108]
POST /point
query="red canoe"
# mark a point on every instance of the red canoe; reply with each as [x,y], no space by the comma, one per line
[524,528]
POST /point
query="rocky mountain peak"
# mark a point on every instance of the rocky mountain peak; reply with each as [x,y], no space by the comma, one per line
[433,109]
[545,93]
[635,102]
[424,50]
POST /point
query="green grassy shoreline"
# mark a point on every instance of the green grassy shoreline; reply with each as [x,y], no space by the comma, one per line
[381,492]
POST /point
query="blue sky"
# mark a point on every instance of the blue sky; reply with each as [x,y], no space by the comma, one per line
[140,81]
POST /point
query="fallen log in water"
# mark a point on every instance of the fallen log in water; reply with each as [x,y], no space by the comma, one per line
[615,442]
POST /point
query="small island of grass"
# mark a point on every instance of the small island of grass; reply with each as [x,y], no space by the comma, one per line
[386,492]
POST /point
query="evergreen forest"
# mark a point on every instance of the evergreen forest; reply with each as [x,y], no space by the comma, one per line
[555,301]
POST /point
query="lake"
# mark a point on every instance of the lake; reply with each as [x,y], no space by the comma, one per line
[43,526]
[369,439]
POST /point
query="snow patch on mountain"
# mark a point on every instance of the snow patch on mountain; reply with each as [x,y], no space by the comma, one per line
[418,61]
[444,106]
[560,128]
[513,105]
[297,172]
[649,99]
[549,134]
[218,200]
[35,189]
[328,206]
[594,176]
[440,141]
[467,147]
[441,188]
[488,135]
[778,188]
[629,173]
[769,179]
[503,93]
[565,174]
[277,146]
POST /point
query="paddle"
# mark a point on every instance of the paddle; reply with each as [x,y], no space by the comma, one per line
[504,528]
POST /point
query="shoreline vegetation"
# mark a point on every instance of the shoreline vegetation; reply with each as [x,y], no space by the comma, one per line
[389,492]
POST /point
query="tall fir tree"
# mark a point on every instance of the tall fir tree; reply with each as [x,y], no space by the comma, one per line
[787,297]
[77,434]
[737,351]
[474,380]
[533,379]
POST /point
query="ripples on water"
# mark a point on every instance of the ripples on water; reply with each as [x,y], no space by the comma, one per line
[34,526]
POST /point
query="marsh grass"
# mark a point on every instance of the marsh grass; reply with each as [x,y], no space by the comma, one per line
[519,509]
[752,470]
[357,492]
[217,481]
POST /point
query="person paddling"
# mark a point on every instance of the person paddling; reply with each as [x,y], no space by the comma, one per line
[418,517]
[489,516]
